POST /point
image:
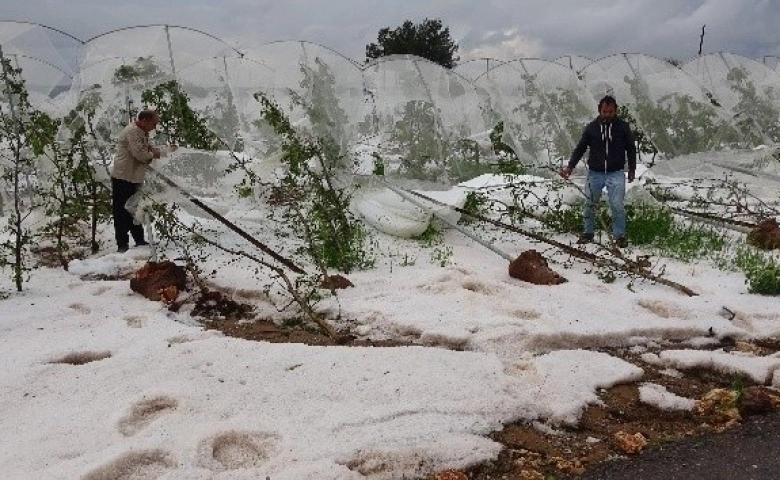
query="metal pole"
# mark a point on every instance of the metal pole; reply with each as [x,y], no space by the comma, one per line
[170,51]
[8,86]
[406,196]
[284,261]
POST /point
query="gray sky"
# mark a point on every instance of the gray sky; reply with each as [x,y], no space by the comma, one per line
[500,29]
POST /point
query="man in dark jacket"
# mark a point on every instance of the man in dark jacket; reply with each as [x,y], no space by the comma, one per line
[611,145]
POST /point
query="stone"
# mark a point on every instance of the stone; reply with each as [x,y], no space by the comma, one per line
[766,235]
[159,281]
[630,443]
[336,282]
[532,267]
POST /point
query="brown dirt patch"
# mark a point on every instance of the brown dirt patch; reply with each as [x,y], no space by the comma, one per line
[533,454]
[238,320]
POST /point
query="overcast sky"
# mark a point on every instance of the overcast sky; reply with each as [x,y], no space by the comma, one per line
[500,29]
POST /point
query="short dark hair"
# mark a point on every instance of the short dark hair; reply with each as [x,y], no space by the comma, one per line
[144,115]
[607,100]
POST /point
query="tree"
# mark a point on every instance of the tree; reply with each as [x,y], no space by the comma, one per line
[25,134]
[428,40]
[178,121]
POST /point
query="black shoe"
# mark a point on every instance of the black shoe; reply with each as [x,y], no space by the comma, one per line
[585,238]
[121,249]
[621,242]
[141,243]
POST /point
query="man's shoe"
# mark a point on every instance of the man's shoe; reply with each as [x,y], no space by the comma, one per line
[141,243]
[121,249]
[621,242]
[585,238]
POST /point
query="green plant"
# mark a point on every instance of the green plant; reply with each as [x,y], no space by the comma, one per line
[738,385]
[178,121]
[142,70]
[762,272]
[73,196]
[379,165]
[563,220]
[429,237]
[658,228]
[27,133]
[318,208]
[476,204]
[433,238]
[676,123]
[441,255]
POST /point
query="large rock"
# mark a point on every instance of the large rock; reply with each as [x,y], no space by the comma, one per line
[336,282]
[532,267]
[159,281]
[630,443]
[766,235]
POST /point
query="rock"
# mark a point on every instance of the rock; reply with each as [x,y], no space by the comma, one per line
[337,282]
[755,400]
[766,235]
[532,267]
[720,405]
[159,281]
[628,443]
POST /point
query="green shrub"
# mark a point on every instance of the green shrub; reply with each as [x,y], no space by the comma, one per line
[563,220]
[657,228]
[648,226]
[762,273]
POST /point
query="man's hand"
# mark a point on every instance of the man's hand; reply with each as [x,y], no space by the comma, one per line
[631,176]
[566,172]
[172,147]
[155,152]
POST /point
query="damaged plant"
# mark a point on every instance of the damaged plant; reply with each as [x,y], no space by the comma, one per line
[191,242]
[317,205]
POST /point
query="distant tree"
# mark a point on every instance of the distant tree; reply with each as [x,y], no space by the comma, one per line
[429,40]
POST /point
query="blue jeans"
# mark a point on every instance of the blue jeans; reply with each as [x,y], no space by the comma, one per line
[616,194]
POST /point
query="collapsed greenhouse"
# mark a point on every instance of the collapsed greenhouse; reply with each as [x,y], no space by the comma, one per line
[395,125]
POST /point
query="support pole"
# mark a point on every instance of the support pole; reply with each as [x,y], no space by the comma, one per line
[170,51]
[8,87]
[406,196]
[284,261]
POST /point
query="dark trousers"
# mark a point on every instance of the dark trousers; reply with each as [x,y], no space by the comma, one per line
[121,191]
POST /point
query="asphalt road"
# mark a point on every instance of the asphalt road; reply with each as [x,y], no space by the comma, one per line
[751,452]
